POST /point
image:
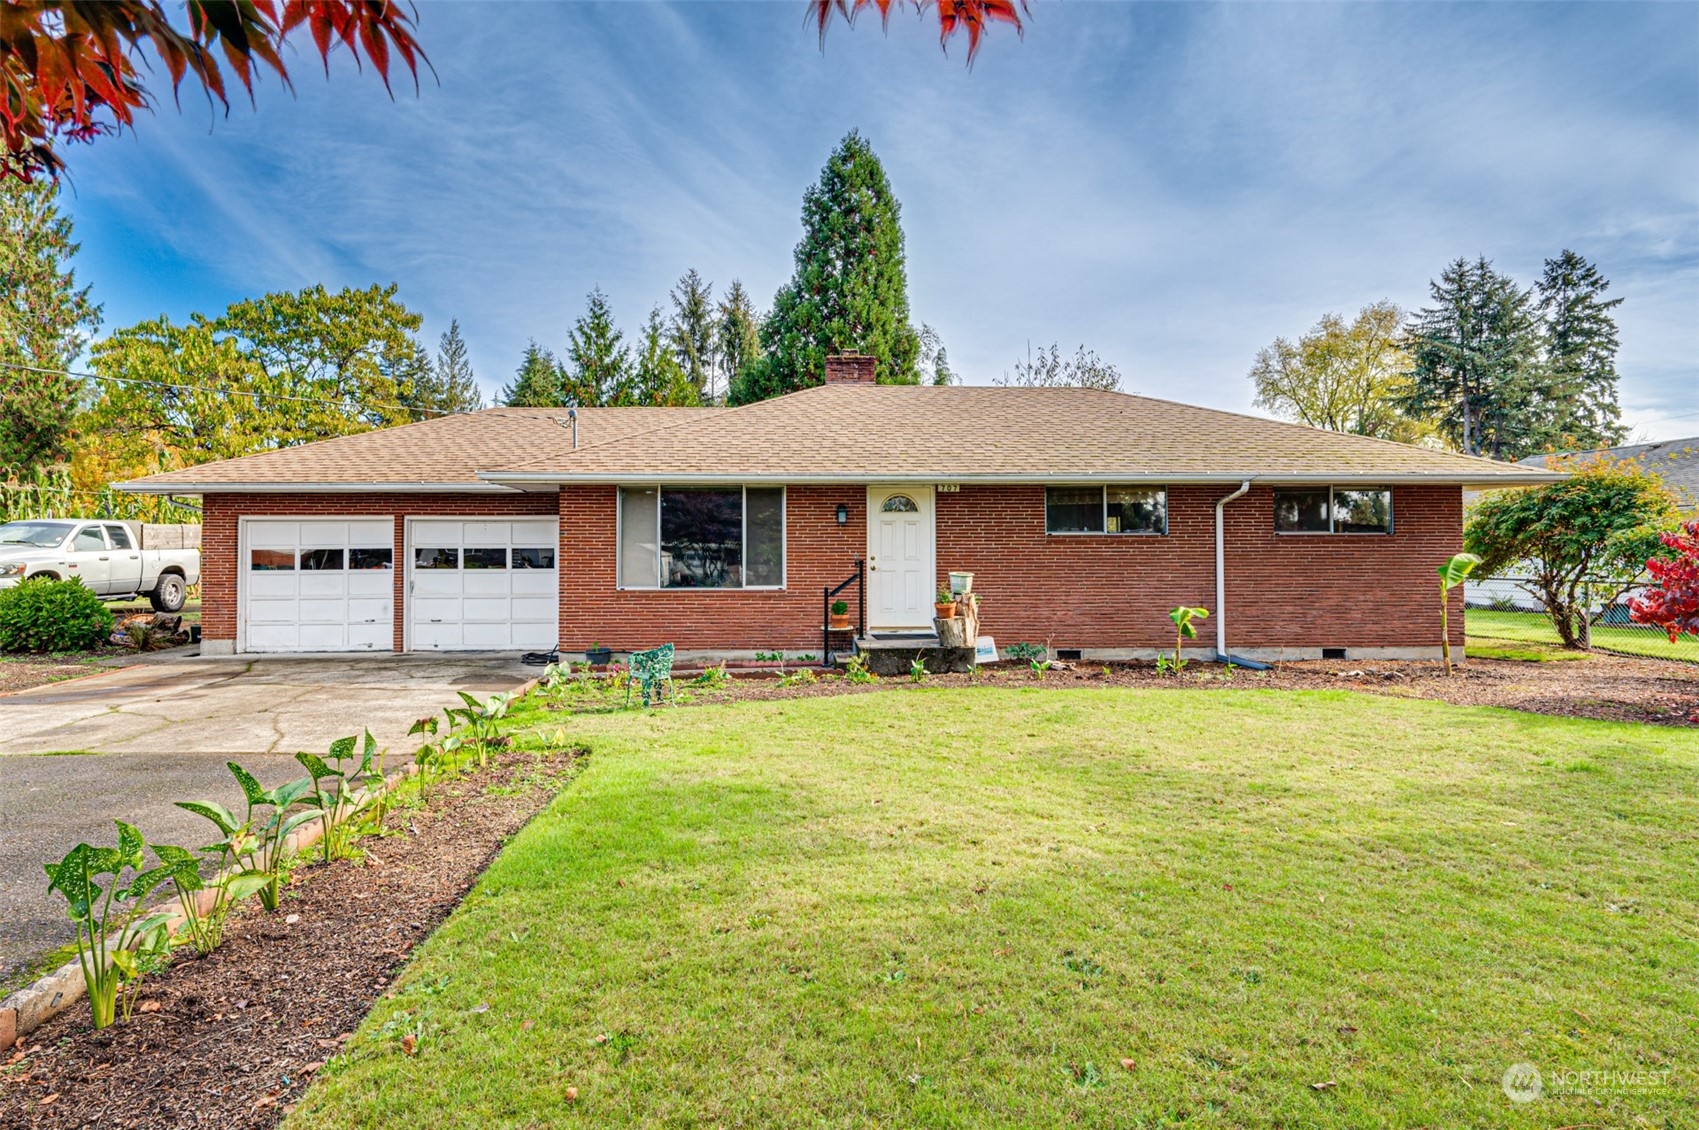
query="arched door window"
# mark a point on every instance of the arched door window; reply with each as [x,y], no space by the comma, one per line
[899,504]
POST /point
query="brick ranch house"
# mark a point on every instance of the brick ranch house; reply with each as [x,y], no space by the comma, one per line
[1083,515]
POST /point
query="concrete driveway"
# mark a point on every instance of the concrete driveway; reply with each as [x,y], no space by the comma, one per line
[74,756]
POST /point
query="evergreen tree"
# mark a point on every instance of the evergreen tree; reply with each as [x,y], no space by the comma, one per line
[737,338]
[1580,347]
[453,385]
[600,365]
[850,290]
[538,382]
[1476,364]
[45,320]
[659,379]
[692,330]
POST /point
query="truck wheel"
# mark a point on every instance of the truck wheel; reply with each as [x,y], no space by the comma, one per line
[168,595]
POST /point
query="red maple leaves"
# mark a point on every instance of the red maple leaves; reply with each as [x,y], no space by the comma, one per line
[68,67]
[972,16]
[1672,603]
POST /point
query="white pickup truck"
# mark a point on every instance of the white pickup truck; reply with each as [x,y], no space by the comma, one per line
[105,556]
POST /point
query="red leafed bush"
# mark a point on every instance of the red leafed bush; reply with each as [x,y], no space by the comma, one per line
[1672,603]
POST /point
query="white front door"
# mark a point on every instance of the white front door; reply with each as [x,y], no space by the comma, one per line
[312,585]
[483,586]
[900,568]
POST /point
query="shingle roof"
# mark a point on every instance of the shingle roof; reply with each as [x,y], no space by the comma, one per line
[449,450]
[895,432]
[1675,461]
[849,432]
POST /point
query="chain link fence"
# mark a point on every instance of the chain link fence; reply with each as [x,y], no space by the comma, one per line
[1500,617]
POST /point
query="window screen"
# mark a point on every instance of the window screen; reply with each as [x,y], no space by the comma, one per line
[639,529]
[764,544]
[1073,510]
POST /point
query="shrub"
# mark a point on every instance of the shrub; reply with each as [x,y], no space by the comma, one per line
[52,616]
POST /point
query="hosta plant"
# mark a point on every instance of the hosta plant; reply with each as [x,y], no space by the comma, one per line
[108,920]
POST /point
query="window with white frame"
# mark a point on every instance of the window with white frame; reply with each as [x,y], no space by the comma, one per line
[701,537]
[1333,510]
[1105,510]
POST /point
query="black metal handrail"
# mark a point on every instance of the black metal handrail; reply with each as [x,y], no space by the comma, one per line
[859,580]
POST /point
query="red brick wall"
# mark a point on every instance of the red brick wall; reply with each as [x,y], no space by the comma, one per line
[1089,591]
[220,513]
[818,553]
[1286,590]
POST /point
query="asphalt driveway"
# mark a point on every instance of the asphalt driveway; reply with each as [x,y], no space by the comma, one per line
[74,756]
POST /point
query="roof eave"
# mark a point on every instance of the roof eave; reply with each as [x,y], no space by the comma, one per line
[477,486]
[1366,478]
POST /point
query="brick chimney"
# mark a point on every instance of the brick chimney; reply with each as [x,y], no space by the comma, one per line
[851,368]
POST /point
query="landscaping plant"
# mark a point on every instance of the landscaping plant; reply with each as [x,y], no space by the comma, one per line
[1587,536]
[107,921]
[1184,629]
[1453,573]
[340,805]
[265,854]
[1027,652]
[855,669]
[228,886]
[1671,601]
[483,719]
[917,669]
[48,615]
[150,954]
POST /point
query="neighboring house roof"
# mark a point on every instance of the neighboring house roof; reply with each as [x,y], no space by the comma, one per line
[444,453]
[859,432]
[1675,461]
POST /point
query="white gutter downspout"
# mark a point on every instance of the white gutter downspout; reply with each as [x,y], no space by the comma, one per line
[1221,571]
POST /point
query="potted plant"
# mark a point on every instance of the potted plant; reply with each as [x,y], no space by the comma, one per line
[945,605]
[840,621]
[598,656]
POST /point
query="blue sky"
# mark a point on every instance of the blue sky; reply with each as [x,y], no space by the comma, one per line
[1172,185]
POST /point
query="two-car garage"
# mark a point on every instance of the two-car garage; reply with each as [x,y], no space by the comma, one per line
[311,584]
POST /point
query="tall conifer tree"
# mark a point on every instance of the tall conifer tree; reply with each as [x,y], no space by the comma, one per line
[538,382]
[737,338]
[850,289]
[599,366]
[1580,347]
[692,330]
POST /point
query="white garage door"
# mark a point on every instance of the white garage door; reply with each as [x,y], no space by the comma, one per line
[311,585]
[483,586]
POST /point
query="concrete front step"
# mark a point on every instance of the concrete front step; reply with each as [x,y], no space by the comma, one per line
[894,654]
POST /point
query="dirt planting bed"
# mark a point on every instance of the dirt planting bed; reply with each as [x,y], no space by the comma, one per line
[1600,686]
[231,1039]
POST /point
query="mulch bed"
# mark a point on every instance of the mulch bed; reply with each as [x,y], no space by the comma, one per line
[22,672]
[232,1039]
[1608,687]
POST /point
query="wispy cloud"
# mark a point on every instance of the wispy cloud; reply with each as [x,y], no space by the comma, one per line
[1172,185]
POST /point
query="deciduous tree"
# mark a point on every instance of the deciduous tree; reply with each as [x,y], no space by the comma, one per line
[850,289]
[1596,529]
[1048,368]
[1671,601]
[1346,377]
[68,69]
[973,17]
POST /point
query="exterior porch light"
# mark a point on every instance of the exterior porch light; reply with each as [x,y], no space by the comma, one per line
[843,514]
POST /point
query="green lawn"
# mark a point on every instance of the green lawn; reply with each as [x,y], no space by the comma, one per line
[1496,629]
[968,907]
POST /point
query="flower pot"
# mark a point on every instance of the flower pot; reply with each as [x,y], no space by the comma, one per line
[840,623]
[599,656]
[945,611]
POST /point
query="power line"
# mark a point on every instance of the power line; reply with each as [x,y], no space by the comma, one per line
[205,388]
